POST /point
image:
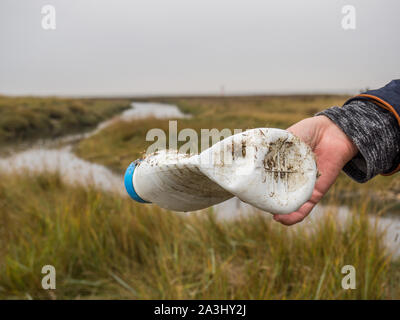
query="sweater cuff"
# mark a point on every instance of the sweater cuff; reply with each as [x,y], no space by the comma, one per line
[375,132]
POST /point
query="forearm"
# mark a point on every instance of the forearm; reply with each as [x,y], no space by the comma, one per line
[376,133]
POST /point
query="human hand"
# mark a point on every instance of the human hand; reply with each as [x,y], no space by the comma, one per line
[332,148]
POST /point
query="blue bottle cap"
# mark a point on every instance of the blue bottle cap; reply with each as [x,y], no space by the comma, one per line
[128,180]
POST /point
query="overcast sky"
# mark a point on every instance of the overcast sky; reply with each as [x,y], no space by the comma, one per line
[131,47]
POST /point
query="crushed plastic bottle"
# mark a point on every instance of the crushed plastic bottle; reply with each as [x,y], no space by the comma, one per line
[270,169]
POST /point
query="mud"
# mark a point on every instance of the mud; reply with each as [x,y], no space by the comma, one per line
[237,149]
[198,183]
[283,164]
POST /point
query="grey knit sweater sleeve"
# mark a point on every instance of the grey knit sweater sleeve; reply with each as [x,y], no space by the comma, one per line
[376,133]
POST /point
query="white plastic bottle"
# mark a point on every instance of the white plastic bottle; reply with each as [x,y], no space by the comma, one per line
[270,169]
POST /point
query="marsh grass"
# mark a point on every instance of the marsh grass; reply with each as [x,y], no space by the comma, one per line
[28,118]
[105,246]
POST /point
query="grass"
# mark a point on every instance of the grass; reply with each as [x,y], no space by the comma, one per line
[27,118]
[104,246]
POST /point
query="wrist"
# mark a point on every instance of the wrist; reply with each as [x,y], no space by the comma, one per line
[346,148]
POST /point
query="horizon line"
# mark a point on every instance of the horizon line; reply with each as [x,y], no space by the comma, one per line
[187,95]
